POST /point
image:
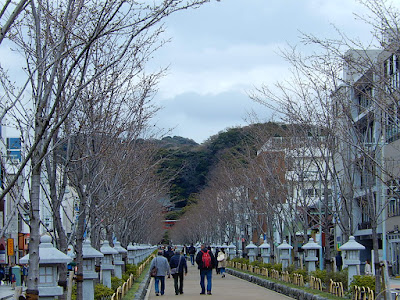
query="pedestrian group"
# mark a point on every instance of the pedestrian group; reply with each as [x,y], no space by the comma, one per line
[169,262]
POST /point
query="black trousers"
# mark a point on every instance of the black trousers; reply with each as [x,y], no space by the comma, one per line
[178,287]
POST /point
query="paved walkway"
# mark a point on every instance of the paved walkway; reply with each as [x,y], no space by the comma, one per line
[6,291]
[229,287]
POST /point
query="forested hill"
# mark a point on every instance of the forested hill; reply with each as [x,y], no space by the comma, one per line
[189,163]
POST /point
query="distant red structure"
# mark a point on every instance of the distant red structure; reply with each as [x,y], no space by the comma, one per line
[169,223]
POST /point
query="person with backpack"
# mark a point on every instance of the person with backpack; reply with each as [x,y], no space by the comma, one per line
[205,260]
[178,266]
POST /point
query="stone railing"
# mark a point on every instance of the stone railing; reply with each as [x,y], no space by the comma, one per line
[336,288]
[316,283]
[285,277]
[363,293]
[126,286]
[298,279]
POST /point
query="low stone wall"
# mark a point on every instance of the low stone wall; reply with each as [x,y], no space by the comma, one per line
[277,287]
[144,285]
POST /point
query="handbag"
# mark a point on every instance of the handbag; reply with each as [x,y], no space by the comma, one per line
[153,271]
[176,270]
[220,257]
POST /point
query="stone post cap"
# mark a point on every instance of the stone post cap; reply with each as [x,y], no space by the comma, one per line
[352,245]
[311,245]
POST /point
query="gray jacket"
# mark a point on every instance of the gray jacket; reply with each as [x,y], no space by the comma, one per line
[162,265]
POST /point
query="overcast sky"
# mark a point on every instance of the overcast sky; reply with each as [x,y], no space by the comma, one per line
[224,49]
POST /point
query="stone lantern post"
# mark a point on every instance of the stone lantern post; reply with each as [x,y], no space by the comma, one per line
[89,255]
[131,253]
[50,258]
[352,257]
[265,249]
[231,251]
[118,261]
[107,262]
[284,254]
[252,251]
[310,250]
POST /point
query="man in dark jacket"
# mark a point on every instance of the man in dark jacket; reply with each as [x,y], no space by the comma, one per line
[178,266]
[168,253]
[192,252]
[205,260]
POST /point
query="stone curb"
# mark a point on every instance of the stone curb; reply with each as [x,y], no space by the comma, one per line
[277,287]
[143,287]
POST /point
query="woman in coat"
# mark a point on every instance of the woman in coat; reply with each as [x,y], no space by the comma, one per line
[221,258]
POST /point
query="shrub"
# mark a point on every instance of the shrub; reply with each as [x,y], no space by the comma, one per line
[257,263]
[363,280]
[125,277]
[321,274]
[241,260]
[339,277]
[116,282]
[291,269]
[131,269]
[301,272]
[101,291]
[277,267]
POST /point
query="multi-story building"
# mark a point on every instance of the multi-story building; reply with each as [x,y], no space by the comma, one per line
[308,197]
[367,105]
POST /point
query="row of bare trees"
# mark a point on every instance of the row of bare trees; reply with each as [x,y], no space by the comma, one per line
[81,105]
[350,94]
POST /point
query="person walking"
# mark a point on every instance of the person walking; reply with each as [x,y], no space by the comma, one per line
[221,259]
[168,253]
[192,252]
[178,267]
[216,262]
[339,261]
[205,260]
[162,265]
[368,269]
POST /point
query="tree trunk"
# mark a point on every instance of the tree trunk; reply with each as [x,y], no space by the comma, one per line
[32,292]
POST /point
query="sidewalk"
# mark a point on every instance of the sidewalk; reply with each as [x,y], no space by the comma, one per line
[6,291]
[395,284]
[229,287]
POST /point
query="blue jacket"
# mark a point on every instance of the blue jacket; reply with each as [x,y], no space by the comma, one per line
[178,260]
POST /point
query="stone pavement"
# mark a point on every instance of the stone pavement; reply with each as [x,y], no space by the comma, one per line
[229,287]
[6,291]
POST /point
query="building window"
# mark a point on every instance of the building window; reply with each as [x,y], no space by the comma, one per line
[393,194]
[394,207]
[392,123]
[14,149]
[364,99]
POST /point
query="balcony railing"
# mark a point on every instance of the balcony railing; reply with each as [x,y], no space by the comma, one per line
[364,225]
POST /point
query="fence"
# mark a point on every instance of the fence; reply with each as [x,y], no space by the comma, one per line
[336,288]
[298,279]
[363,293]
[126,286]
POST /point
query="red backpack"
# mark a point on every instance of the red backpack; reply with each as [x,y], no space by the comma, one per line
[206,258]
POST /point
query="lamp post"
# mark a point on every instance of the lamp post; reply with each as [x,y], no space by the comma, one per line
[352,259]
[252,251]
[50,258]
[311,254]
[107,262]
[265,249]
[284,254]
[118,261]
[89,254]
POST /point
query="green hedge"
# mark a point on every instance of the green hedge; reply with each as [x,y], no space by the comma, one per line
[363,280]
